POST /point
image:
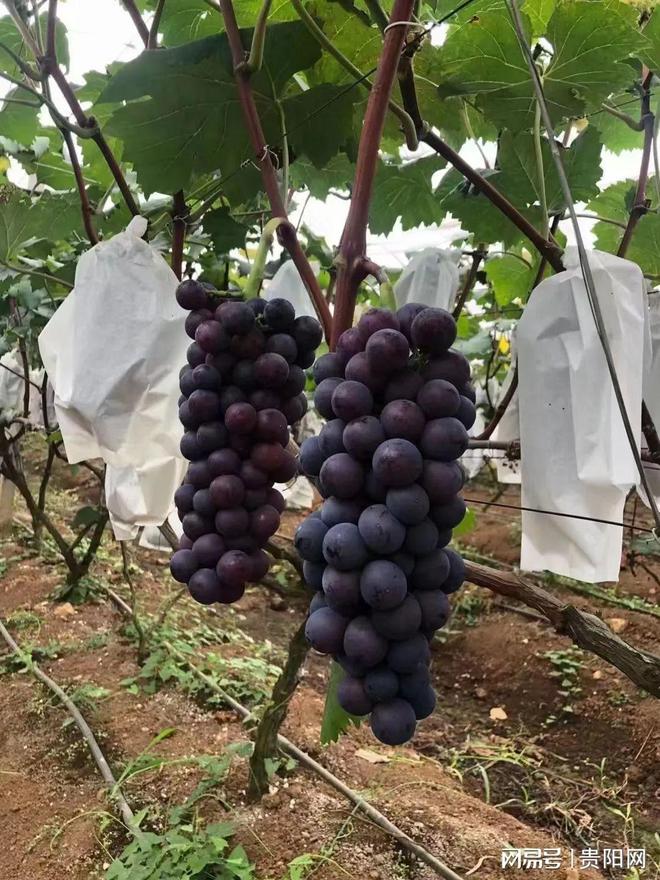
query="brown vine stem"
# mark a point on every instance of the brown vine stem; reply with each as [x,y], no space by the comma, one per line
[85,207]
[640,203]
[152,39]
[470,280]
[286,232]
[179,212]
[351,267]
[138,21]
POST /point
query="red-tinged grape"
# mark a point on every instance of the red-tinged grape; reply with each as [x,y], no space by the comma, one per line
[351,400]
[234,568]
[295,383]
[441,480]
[203,503]
[393,722]
[279,314]
[403,418]
[264,522]
[456,574]
[211,337]
[243,375]
[284,345]
[255,498]
[362,437]
[236,317]
[443,439]
[451,365]
[363,644]
[408,655]
[194,526]
[267,457]
[305,359]
[450,514]
[325,630]
[338,510]
[318,601]
[190,447]
[430,571]
[313,575]
[323,397]
[380,530]
[349,343]
[212,436]
[257,305]
[352,696]
[375,319]
[275,498]
[208,549]
[187,383]
[468,391]
[383,585]
[264,398]
[344,548]
[260,563]
[185,543]
[183,565]
[204,405]
[421,538]
[230,395]
[307,333]
[328,366]
[387,351]
[286,470]
[409,505]
[433,331]
[294,409]
[249,346]
[397,463]
[195,355]
[252,476]
[230,593]
[435,609]
[466,413]
[204,586]
[438,398]
[311,457]
[191,295]
[406,315]
[198,474]
[403,385]
[374,488]
[232,522]
[227,491]
[400,623]
[360,370]
[223,462]
[381,684]
[309,537]
[341,476]
[342,590]
[206,377]
[331,438]
[241,418]
[183,498]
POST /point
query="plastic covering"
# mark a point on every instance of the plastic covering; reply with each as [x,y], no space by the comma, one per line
[111,352]
[575,454]
[652,392]
[431,278]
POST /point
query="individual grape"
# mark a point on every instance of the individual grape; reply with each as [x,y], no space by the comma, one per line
[342,590]
[267,456]
[410,505]
[254,498]
[234,568]
[451,365]
[252,476]
[229,396]
[264,398]
[361,437]
[184,498]
[398,623]
[313,574]
[387,351]
[466,413]
[351,400]
[198,474]
[185,416]
[236,317]
[307,333]
[187,383]
[232,522]
[311,457]
[271,370]
[450,514]
[279,314]
[185,543]
[207,550]
[230,593]
[223,462]
[211,337]
[397,463]
[275,498]
[207,377]
[438,398]
[443,439]
[421,538]
[381,684]
[194,525]
[359,369]
[308,539]
[363,644]
[383,585]
[352,696]
[318,601]
[295,383]
[286,469]
[190,447]
[349,343]
[325,630]
[250,346]
[331,437]
[294,409]
[406,315]
[212,436]
[328,366]
[284,345]
[435,609]
[456,574]
[423,702]
[441,480]
[374,488]
[375,319]
[393,722]
[241,418]
[257,305]
[195,355]
[467,390]
[338,510]
[204,586]
[409,655]
[433,331]
[405,561]
[430,571]
[380,530]
[342,476]
[203,503]
[343,547]
[305,359]
[243,375]
[323,397]
[224,363]
[227,491]
[403,385]
[403,418]
[204,405]
[260,563]
[183,565]
[264,522]
[191,295]
[350,667]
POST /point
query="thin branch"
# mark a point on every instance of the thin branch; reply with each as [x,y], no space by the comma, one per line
[640,204]
[31,72]
[601,219]
[470,280]
[152,39]
[85,207]
[635,124]
[138,21]
[256,58]
[22,27]
[45,477]
[502,406]
[22,270]
[378,14]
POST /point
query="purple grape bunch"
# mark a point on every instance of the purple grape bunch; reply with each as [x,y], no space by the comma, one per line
[398,403]
[241,390]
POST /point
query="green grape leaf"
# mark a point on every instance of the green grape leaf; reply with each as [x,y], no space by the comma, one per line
[18,122]
[10,37]
[538,12]
[613,204]
[404,192]
[336,174]
[189,121]
[21,219]
[185,20]
[335,719]
[307,126]
[225,232]
[644,247]
[615,134]
[511,278]
[649,53]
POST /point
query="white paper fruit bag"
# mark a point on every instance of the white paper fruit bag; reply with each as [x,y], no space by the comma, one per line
[431,278]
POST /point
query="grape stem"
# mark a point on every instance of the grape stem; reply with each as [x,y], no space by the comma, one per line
[256,58]
[253,283]
[286,231]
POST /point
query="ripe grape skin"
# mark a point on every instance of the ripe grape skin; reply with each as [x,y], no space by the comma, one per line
[212,436]
[397,463]
[383,585]
[203,503]
[451,365]
[325,630]
[344,548]
[444,439]
[309,537]
[456,574]
[404,385]
[195,355]
[350,343]
[342,476]
[189,446]
[433,331]
[330,438]
[230,593]
[313,574]
[204,405]
[234,568]
[229,395]
[381,684]
[438,399]
[406,315]
[264,522]
[211,337]
[198,474]
[409,655]
[267,457]
[403,418]
[330,365]
[295,383]
[275,498]
[374,488]
[223,462]
[257,304]
[342,590]
[248,347]
[260,563]
[307,333]
[405,561]
[243,377]
[254,498]
[204,586]
[387,351]
[467,390]
[187,383]
[441,480]
[284,345]
[466,413]
[318,601]
[185,416]
[323,397]
[409,505]
[236,317]
[351,400]
[305,359]
[450,514]
[279,314]
[361,437]
[363,644]
[311,457]
[294,409]
[352,696]
[422,538]
[375,319]
[350,667]
[271,370]
[207,377]
[399,623]
[430,571]
[183,498]
[232,522]
[207,550]
[183,565]
[241,418]
[191,295]
[252,476]
[227,491]
[338,510]
[423,701]
[393,722]
[435,609]
[380,530]
[359,369]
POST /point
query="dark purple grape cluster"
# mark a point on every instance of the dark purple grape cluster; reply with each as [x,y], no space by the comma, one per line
[398,404]
[242,388]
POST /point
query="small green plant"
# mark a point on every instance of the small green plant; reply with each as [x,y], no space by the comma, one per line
[86,697]
[566,666]
[23,620]
[36,653]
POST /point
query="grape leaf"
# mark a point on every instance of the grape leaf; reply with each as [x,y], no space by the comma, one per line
[335,719]
[615,134]
[225,232]
[21,219]
[614,204]
[404,192]
[649,52]
[10,37]
[538,12]
[511,278]
[18,122]
[336,174]
[307,126]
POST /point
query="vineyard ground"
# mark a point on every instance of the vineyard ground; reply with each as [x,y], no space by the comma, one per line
[534,744]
